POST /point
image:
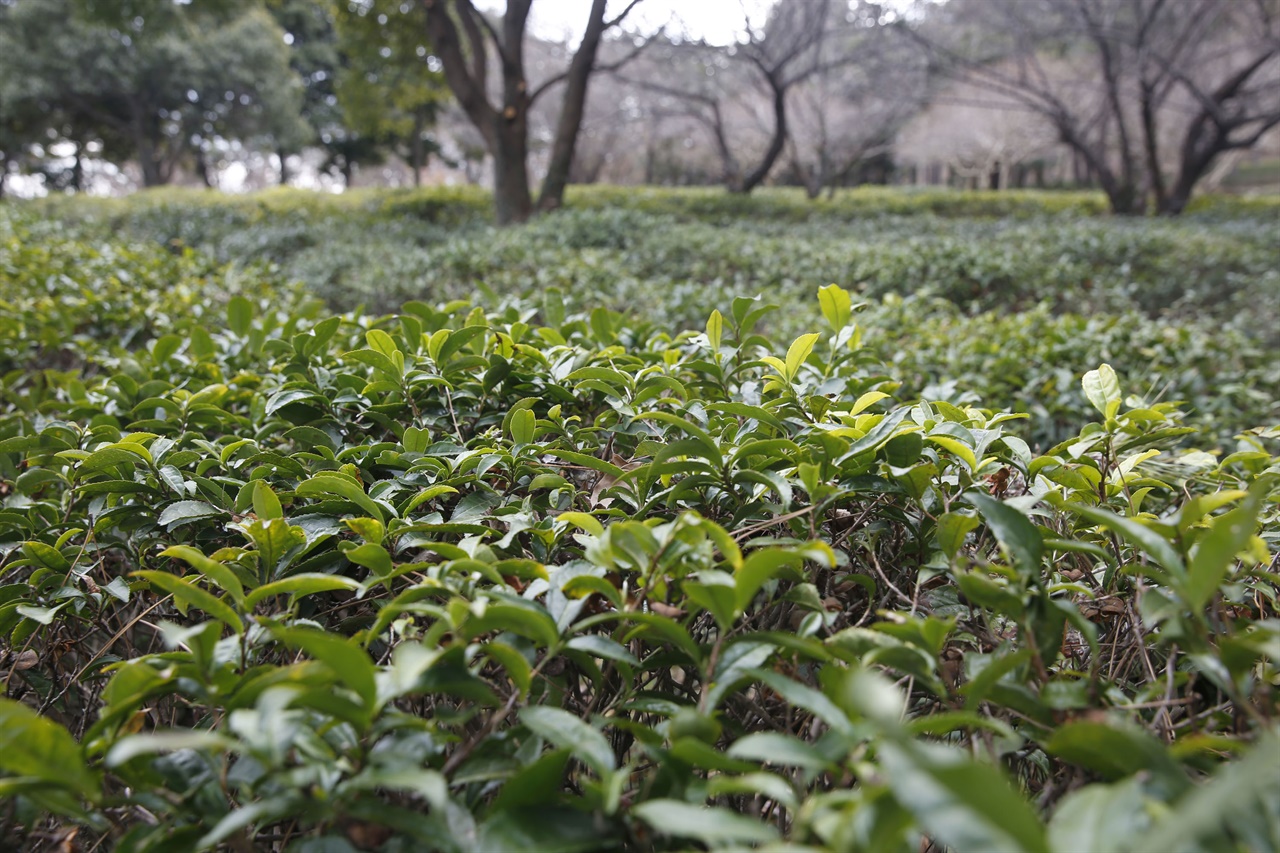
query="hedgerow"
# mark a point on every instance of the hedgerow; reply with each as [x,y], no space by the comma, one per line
[1184,308]
[535,576]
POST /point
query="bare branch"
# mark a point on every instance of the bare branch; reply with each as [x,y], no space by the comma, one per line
[621,16]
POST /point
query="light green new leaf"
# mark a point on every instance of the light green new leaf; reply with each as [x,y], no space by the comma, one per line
[715,330]
[273,540]
[583,520]
[381,342]
[373,557]
[836,306]
[521,426]
[348,661]
[709,446]
[300,585]
[866,401]
[215,571]
[239,315]
[799,350]
[1102,389]
[266,505]
[758,569]
[956,447]
[952,530]
[1218,548]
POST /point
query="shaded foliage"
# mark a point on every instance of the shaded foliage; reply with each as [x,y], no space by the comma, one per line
[543,576]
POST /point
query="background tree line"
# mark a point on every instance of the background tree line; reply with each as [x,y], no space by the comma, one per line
[1143,98]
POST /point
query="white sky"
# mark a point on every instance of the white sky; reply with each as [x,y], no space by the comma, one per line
[718,21]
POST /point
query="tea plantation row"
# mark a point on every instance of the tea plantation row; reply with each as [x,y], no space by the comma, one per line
[996,306]
[520,572]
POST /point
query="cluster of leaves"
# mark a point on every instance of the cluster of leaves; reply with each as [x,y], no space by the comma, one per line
[539,579]
[705,204]
[1183,308]
[1228,380]
[67,302]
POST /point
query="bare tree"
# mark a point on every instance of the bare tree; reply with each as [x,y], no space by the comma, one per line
[868,83]
[773,56]
[1149,93]
[463,39]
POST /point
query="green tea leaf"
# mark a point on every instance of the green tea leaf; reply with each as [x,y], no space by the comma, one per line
[1014,530]
[836,306]
[568,732]
[327,483]
[711,826]
[239,315]
[961,803]
[1102,389]
[348,661]
[715,330]
[31,745]
[799,350]
[265,503]
[185,512]
[190,595]
[300,585]
[1217,549]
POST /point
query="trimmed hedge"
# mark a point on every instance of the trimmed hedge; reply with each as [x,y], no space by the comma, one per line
[539,575]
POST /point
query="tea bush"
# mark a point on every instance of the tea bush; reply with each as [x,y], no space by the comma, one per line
[1226,380]
[535,576]
[1184,307]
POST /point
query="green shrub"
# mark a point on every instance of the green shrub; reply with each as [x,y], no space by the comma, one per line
[67,302]
[1224,380]
[703,204]
[539,578]
[1197,295]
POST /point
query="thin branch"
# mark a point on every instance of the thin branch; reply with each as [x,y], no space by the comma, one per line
[621,16]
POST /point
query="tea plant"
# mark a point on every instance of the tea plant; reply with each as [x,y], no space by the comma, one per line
[1184,308]
[540,578]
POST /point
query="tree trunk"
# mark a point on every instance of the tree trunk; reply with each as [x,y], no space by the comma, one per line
[149,160]
[416,150]
[813,188]
[572,107]
[149,163]
[757,175]
[4,173]
[202,169]
[1151,148]
[513,203]
[1196,160]
[505,131]
[1124,198]
[283,156]
[77,170]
